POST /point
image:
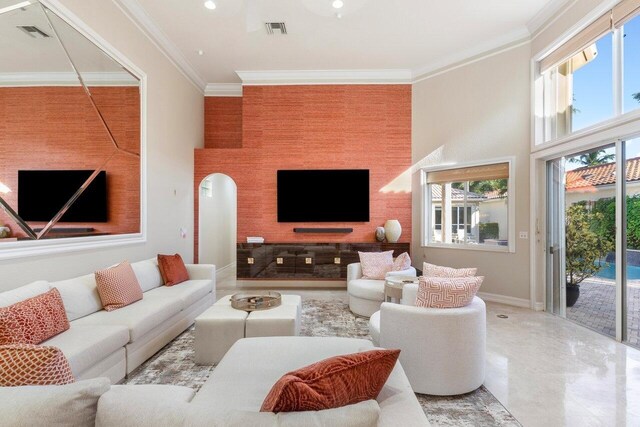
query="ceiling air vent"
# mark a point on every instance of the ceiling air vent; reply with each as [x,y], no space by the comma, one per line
[276,28]
[34,31]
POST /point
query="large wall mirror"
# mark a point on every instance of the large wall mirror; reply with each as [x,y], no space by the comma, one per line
[70,121]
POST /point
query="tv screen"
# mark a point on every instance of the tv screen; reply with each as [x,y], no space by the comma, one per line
[340,195]
[42,193]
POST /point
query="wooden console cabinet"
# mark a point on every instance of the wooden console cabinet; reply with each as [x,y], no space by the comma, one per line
[304,261]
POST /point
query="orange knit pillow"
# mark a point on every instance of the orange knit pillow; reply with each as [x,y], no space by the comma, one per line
[33,320]
[332,383]
[27,364]
[118,286]
[172,269]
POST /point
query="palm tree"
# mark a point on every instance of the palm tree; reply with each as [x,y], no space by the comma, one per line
[593,158]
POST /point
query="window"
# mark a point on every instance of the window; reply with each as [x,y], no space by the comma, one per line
[468,207]
[579,87]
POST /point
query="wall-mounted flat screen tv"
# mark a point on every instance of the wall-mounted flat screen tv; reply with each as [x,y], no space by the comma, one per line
[338,195]
[42,193]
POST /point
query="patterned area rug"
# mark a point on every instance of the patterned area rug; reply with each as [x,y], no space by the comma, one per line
[324,318]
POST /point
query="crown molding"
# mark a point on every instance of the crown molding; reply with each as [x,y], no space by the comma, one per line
[501,44]
[319,77]
[136,13]
[549,12]
[66,79]
[223,89]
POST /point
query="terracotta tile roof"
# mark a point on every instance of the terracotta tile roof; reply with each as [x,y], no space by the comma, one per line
[593,176]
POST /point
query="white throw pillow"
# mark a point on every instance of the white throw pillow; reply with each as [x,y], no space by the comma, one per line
[79,295]
[148,274]
[23,292]
[55,405]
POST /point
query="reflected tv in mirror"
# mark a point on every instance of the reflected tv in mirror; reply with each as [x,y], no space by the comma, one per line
[338,195]
[42,193]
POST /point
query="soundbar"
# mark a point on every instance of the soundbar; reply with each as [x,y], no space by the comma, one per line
[323,230]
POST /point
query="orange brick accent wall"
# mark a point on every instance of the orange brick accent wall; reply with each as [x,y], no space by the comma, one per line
[222,122]
[315,127]
[56,128]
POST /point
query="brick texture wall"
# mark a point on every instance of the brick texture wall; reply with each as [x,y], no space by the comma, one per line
[56,128]
[313,127]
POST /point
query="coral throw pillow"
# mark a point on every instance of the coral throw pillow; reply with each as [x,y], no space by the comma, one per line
[33,320]
[447,292]
[431,270]
[402,262]
[28,364]
[172,269]
[332,383]
[118,286]
[376,265]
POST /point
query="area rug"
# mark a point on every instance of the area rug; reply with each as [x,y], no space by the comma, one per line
[325,318]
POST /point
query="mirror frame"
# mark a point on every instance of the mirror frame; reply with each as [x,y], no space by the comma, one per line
[29,248]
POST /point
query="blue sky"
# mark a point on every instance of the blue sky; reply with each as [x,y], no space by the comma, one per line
[593,83]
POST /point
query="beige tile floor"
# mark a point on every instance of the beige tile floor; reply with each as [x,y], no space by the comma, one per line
[548,371]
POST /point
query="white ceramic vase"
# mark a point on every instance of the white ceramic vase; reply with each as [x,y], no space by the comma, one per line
[393,230]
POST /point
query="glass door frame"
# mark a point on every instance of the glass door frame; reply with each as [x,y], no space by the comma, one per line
[555,234]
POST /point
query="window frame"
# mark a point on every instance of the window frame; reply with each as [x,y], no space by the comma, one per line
[427,208]
[542,126]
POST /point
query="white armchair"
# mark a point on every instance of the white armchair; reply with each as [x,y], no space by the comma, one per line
[366,295]
[443,349]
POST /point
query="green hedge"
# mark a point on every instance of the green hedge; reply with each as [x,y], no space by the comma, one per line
[606,227]
[489,230]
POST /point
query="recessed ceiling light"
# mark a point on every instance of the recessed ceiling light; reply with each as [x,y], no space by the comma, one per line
[337,4]
[209,4]
[200,52]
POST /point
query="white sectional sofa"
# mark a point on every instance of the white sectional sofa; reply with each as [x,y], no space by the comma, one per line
[112,344]
[234,393]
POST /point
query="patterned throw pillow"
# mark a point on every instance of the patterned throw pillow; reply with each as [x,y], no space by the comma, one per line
[376,265]
[402,262]
[118,286]
[447,292]
[33,320]
[431,270]
[332,383]
[172,269]
[28,364]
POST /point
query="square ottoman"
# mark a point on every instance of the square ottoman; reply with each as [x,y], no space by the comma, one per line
[216,330]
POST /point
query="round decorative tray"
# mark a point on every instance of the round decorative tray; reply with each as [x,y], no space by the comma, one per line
[256,300]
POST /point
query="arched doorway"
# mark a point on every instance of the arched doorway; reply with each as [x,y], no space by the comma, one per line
[217,224]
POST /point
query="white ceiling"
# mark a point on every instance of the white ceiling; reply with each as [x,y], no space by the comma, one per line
[415,35]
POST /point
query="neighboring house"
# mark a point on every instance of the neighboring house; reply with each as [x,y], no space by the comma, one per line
[481,208]
[591,183]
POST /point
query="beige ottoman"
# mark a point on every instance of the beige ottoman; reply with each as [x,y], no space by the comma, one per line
[217,329]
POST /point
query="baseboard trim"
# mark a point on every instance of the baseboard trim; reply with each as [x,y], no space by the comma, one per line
[503,299]
[296,284]
[226,272]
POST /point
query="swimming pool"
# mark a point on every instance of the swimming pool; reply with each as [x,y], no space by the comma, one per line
[609,272]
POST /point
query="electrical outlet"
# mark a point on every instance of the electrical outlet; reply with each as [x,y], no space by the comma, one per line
[524,235]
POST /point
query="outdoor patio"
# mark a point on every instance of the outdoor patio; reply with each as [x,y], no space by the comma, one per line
[595,308]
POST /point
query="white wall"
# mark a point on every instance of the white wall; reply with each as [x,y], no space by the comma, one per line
[175,127]
[479,111]
[218,222]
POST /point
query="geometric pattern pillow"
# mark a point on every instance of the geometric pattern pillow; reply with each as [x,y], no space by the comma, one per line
[33,320]
[332,383]
[432,270]
[118,286]
[376,265]
[402,262]
[447,292]
[28,364]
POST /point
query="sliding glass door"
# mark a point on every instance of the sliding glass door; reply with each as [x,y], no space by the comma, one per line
[593,236]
